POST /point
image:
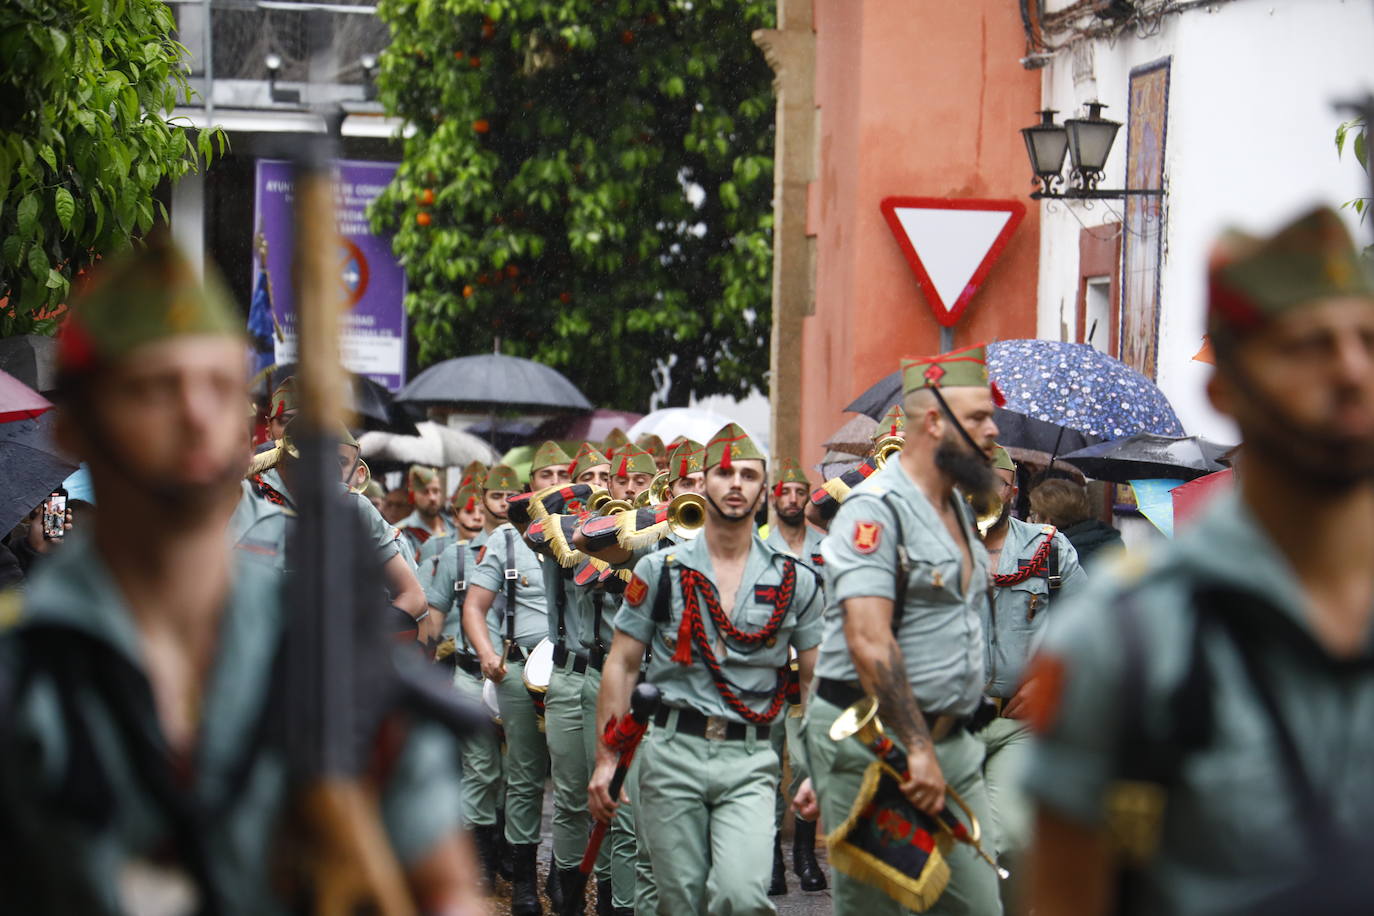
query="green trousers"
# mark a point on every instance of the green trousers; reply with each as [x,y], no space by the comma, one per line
[1007,745]
[568,761]
[837,769]
[617,861]
[527,757]
[483,780]
[706,816]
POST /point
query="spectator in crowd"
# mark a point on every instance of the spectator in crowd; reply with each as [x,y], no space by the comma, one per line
[1065,505]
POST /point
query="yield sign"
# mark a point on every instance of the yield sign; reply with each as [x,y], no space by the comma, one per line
[951,245]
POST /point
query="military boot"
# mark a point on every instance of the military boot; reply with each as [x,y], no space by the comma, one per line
[604,906]
[804,864]
[778,886]
[572,891]
[553,887]
[524,887]
[505,857]
[484,835]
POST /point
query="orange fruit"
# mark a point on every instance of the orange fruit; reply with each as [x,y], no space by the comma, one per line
[422,219]
[481,125]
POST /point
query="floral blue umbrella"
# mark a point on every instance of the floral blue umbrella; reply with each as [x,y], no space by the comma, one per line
[1073,385]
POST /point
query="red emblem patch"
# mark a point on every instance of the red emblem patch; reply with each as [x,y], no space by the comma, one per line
[1043,690]
[866,536]
[934,372]
[636,591]
[481,554]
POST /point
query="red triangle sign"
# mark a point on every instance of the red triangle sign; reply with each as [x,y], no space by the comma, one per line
[951,245]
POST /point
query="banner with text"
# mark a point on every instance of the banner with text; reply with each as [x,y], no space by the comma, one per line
[373,340]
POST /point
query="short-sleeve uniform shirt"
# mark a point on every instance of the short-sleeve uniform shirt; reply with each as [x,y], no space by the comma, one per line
[941,632]
[531,609]
[753,669]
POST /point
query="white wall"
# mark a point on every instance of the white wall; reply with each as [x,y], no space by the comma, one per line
[1250,142]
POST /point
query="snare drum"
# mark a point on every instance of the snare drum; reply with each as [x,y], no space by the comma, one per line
[489,700]
[538,671]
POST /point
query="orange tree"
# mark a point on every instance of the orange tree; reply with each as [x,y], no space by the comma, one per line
[588,182]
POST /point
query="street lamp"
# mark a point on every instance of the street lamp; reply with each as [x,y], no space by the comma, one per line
[273,64]
[368,63]
[1088,142]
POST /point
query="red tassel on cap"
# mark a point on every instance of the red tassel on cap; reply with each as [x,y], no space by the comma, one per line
[624,468]
[682,467]
[683,655]
[725,459]
[998,397]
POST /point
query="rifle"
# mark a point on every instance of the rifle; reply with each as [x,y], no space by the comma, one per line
[341,681]
[624,737]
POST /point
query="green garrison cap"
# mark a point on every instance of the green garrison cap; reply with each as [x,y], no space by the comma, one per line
[631,459]
[684,459]
[789,471]
[339,430]
[419,477]
[466,498]
[139,297]
[1002,461]
[374,490]
[587,457]
[284,398]
[966,368]
[548,455]
[475,474]
[730,444]
[1253,280]
[891,424]
[615,440]
[653,445]
[503,479]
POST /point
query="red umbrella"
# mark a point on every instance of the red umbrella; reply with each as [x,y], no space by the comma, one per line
[18,401]
[1191,497]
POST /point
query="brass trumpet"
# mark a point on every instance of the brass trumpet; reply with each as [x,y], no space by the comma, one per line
[861,721]
[887,448]
[687,515]
[367,478]
[987,510]
[600,503]
[659,492]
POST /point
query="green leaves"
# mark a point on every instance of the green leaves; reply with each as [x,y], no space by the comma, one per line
[83,143]
[612,216]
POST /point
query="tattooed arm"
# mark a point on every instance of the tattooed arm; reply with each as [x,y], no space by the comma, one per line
[878,661]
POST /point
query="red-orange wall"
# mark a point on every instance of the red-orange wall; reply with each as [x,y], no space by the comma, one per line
[916,98]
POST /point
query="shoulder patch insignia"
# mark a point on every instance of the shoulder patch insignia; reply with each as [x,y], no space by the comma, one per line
[636,591]
[482,554]
[867,535]
[1044,688]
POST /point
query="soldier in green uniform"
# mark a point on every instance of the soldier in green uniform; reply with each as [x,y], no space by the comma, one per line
[1033,567]
[632,470]
[826,500]
[1202,741]
[720,613]
[684,468]
[790,534]
[465,509]
[281,409]
[138,663]
[570,616]
[904,625]
[502,637]
[446,587]
[656,449]
[427,519]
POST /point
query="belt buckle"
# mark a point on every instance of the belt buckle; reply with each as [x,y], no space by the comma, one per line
[1054,582]
[512,574]
[715,728]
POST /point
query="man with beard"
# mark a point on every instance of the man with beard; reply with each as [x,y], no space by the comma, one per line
[1216,696]
[138,665]
[906,585]
[720,613]
[427,520]
[789,533]
[1034,567]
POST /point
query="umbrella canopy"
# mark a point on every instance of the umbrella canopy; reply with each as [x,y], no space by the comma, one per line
[1190,498]
[30,467]
[588,427]
[855,437]
[1154,499]
[374,405]
[1146,456]
[493,380]
[436,446]
[693,422]
[18,401]
[31,358]
[1067,384]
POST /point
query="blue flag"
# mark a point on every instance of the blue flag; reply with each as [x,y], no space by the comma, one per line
[260,325]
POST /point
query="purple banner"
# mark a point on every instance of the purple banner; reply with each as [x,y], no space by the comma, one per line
[373,340]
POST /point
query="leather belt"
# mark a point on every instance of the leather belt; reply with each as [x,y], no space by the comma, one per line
[560,658]
[714,728]
[844,694]
[517,653]
[597,661]
[1001,704]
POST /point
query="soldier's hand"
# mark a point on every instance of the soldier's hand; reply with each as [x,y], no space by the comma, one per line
[805,803]
[493,667]
[429,629]
[599,799]
[925,787]
[1019,705]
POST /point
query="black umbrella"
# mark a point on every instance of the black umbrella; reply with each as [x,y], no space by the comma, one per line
[1146,456]
[31,358]
[493,380]
[374,405]
[30,467]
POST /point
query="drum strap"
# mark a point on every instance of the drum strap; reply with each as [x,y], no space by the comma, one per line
[598,605]
[560,602]
[510,585]
[460,590]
